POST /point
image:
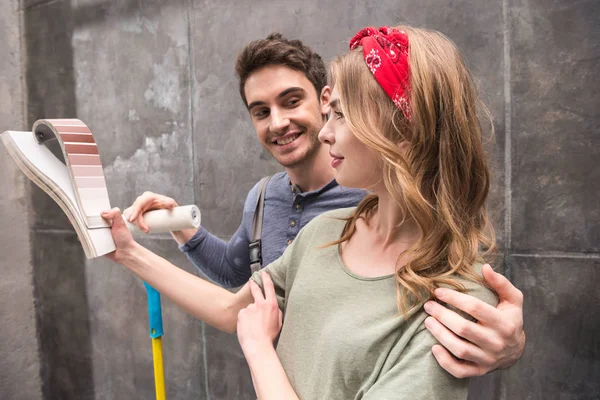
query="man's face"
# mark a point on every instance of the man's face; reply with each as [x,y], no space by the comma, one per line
[286,112]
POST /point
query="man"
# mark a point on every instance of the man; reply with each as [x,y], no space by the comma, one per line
[283,85]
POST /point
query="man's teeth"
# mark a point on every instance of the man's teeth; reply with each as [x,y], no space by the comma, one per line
[287,140]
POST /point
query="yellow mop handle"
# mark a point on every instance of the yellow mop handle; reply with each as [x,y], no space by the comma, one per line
[159,373]
[156,332]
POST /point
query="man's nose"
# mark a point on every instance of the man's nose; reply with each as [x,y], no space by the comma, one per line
[279,121]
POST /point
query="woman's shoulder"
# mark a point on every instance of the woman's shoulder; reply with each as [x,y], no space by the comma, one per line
[340,214]
[478,289]
[328,225]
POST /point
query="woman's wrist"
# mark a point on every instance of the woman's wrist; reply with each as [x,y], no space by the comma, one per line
[257,348]
[130,255]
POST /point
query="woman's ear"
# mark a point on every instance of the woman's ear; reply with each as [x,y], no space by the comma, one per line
[403,146]
[324,99]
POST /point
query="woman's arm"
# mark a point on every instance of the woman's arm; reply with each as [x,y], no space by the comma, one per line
[258,326]
[225,263]
[207,302]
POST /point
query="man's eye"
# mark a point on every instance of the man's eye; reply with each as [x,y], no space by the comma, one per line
[261,113]
[293,102]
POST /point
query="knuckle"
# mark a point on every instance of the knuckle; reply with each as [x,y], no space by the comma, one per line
[496,346]
[463,330]
[519,296]
[462,353]
[473,308]
[511,330]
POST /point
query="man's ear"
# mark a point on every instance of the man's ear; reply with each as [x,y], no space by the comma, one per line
[324,99]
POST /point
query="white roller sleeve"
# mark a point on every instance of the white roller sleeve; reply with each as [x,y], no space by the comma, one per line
[182,217]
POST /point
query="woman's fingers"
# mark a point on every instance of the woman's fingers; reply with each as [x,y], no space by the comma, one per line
[268,286]
[149,201]
[256,292]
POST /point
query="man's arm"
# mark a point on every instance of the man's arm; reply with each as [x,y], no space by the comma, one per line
[207,302]
[226,263]
[496,340]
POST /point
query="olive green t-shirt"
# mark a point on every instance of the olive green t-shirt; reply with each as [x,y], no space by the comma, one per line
[343,337]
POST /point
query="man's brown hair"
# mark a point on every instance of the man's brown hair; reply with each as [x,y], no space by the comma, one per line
[277,50]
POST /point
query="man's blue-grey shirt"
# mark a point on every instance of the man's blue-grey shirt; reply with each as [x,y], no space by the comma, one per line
[287,210]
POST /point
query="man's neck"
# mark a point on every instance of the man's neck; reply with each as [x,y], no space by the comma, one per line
[314,173]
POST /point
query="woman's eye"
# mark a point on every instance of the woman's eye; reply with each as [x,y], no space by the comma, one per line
[338,114]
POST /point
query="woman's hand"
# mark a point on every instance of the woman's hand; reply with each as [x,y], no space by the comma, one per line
[259,323]
[121,235]
[146,202]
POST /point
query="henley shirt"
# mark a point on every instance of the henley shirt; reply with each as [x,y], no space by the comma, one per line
[286,211]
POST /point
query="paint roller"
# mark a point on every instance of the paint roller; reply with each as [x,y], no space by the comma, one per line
[168,220]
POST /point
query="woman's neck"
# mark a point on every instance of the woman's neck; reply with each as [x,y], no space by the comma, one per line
[390,225]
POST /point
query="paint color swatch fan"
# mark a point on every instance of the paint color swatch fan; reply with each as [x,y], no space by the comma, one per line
[78,185]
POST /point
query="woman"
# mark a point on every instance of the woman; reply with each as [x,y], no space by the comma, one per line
[404,126]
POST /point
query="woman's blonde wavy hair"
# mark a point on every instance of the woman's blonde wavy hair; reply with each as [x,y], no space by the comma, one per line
[442,181]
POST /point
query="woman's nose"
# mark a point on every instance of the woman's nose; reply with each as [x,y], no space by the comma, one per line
[326,135]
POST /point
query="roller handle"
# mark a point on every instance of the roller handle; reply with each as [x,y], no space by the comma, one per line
[175,219]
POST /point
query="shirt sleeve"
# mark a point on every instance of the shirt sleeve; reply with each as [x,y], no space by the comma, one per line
[225,263]
[283,270]
[417,375]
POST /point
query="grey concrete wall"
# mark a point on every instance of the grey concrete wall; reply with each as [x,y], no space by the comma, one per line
[155,83]
[19,355]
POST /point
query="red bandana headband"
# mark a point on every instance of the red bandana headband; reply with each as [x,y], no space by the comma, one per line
[386,54]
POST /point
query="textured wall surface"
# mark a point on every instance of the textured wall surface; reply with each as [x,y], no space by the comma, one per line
[154,81]
[19,355]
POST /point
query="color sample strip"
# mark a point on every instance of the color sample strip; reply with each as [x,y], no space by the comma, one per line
[90,182]
[73,128]
[84,159]
[81,148]
[95,200]
[86,168]
[77,137]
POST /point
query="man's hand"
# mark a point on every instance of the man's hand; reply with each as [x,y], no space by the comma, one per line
[496,340]
[259,324]
[146,202]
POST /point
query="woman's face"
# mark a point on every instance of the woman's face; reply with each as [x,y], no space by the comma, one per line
[356,164]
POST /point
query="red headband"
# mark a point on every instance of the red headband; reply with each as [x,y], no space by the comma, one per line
[386,53]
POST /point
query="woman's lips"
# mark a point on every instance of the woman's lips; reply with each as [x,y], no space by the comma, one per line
[336,160]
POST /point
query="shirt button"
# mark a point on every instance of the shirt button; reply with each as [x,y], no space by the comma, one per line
[289,241]
[292,223]
[298,206]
